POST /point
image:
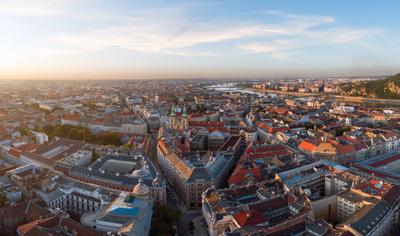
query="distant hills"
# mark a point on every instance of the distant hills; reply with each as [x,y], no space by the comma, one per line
[388,88]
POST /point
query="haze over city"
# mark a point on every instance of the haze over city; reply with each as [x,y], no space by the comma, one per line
[97,39]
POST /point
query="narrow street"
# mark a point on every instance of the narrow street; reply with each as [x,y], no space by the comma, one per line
[185,216]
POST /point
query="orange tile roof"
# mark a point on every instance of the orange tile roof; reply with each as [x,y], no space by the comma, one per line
[307,146]
[71,117]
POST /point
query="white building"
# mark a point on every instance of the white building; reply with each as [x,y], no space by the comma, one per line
[137,127]
[250,136]
[74,197]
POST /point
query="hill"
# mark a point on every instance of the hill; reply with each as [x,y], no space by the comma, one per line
[388,88]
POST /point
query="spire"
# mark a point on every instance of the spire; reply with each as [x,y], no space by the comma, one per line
[185,112]
[172,111]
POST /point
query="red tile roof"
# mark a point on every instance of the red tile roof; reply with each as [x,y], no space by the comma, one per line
[385,161]
[15,152]
[249,218]
[31,147]
[240,174]
[372,172]
[345,149]
[71,117]
[391,134]
[207,124]
[265,151]
[392,195]
[373,184]
[270,129]
[51,226]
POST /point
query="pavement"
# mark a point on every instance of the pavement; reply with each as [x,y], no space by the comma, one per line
[186,215]
[200,227]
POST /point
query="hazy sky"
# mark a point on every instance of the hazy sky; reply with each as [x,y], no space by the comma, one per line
[103,39]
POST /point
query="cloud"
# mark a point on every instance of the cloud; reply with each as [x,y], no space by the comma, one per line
[308,39]
[162,36]
[165,36]
[33,8]
[342,35]
[180,35]
[268,47]
[310,31]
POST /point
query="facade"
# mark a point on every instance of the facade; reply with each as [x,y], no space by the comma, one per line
[216,139]
[177,119]
[250,136]
[189,182]
[136,127]
[392,139]
[198,143]
[192,174]
[348,203]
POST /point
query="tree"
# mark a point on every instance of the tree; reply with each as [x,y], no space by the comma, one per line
[95,156]
[3,200]
[81,133]
[129,146]
[191,226]
[341,130]
[164,219]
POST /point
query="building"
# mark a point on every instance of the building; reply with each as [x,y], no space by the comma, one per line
[250,135]
[14,215]
[216,139]
[312,178]
[349,203]
[75,198]
[129,214]
[374,222]
[122,173]
[178,119]
[30,178]
[258,209]
[192,173]
[56,225]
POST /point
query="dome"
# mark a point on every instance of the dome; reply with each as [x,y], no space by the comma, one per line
[140,173]
[141,189]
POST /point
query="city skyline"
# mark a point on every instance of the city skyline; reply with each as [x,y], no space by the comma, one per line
[94,39]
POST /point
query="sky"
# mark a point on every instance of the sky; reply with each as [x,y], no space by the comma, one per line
[102,39]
